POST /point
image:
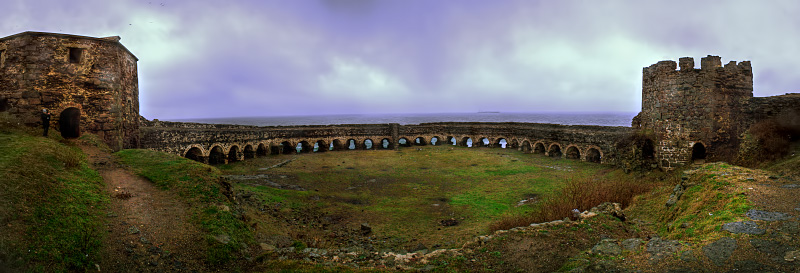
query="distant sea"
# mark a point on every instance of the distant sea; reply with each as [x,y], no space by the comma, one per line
[582,118]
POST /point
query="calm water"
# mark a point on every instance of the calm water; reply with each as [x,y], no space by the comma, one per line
[606,119]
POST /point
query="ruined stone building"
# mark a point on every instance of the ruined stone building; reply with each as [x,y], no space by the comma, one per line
[89,84]
[701,113]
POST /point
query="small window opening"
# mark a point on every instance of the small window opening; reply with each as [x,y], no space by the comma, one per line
[75,55]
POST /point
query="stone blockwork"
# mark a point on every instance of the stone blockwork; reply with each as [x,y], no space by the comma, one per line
[698,113]
[96,76]
[216,143]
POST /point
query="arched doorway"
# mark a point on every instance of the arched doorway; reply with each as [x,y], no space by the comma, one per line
[526,147]
[69,123]
[593,155]
[538,148]
[216,156]
[555,151]
[698,153]
[262,150]
[368,144]
[233,154]
[386,144]
[573,153]
[195,154]
[249,152]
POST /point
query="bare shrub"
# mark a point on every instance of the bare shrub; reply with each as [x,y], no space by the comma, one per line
[767,140]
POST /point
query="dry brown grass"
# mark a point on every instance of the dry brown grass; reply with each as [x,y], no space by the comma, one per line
[581,194]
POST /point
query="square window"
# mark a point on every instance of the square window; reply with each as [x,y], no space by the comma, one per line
[75,55]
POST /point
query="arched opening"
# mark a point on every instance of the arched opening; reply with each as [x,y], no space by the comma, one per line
[368,144]
[262,150]
[698,152]
[593,155]
[538,148]
[419,141]
[434,141]
[233,154]
[303,147]
[403,142]
[69,123]
[555,151]
[502,143]
[484,142]
[466,142]
[452,141]
[249,152]
[287,148]
[351,144]
[526,147]
[514,144]
[573,153]
[336,145]
[216,156]
[320,146]
[648,150]
[386,143]
[194,154]
[275,149]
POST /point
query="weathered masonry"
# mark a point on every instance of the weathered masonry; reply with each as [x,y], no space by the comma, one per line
[701,113]
[218,143]
[89,84]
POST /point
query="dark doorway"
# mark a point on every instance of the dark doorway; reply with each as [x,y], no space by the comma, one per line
[69,123]
[698,152]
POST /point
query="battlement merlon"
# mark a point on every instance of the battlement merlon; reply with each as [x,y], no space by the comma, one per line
[708,64]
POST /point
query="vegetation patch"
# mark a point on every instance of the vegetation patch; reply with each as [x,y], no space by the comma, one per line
[51,205]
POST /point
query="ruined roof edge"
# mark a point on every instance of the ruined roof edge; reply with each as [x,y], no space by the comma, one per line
[70,36]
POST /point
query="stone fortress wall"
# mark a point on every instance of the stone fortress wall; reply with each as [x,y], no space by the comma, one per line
[701,113]
[89,84]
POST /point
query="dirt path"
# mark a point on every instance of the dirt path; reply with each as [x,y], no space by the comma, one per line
[148,229]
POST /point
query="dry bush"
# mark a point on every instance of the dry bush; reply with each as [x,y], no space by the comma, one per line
[767,140]
[578,194]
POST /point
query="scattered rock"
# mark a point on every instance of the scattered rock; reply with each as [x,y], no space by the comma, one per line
[632,244]
[791,256]
[719,252]
[133,230]
[676,195]
[267,247]
[767,215]
[792,228]
[449,222]
[659,249]
[144,240]
[791,186]
[365,229]
[746,227]
[607,247]
[613,209]
[688,256]
[773,249]
[222,238]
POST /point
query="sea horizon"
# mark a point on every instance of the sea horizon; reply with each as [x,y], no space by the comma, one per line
[564,118]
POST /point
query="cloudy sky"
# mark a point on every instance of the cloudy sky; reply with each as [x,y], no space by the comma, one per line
[215,58]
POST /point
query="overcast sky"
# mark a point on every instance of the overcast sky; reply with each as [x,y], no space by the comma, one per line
[204,58]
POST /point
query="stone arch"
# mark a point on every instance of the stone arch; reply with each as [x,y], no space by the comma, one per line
[554,150]
[351,144]
[387,144]
[196,153]
[573,152]
[484,142]
[233,153]
[526,147]
[538,148]
[403,142]
[303,147]
[287,148]
[262,150]
[514,144]
[420,141]
[69,123]
[249,152]
[698,152]
[501,143]
[369,144]
[216,155]
[467,142]
[436,141]
[336,145]
[452,141]
[320,146]
[594,155]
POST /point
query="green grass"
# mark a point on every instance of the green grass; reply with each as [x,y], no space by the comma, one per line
[200,186]
[405,193]
[51,205]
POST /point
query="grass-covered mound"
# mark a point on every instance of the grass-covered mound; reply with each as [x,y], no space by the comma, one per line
[198,185]
[51,203]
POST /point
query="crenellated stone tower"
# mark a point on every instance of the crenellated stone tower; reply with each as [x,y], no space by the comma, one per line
[89,84]
[695,113]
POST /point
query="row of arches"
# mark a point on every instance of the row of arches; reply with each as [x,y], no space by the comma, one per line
[221,154]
